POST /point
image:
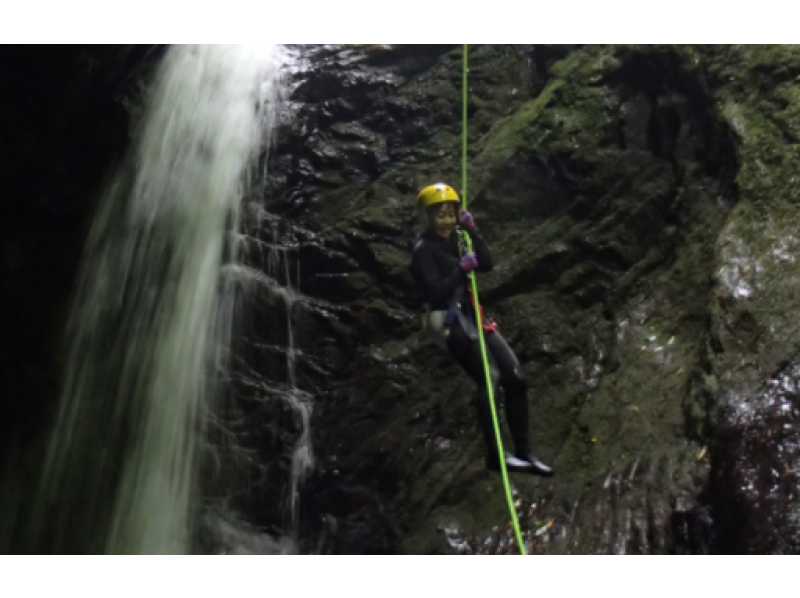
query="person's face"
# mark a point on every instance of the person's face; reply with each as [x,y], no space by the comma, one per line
[445,220]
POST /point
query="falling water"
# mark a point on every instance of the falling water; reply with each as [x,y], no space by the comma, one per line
[250,469]
[298,401]
[148,330]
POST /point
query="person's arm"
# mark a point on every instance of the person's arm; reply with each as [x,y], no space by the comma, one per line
[423,270]
[478,243]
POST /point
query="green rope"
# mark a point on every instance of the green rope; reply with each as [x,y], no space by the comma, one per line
[478,321]
[464,72]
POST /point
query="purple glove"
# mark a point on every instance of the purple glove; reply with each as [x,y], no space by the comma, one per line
[466,219]
[469,262]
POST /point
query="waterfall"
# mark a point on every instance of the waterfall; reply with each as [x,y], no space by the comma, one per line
[298,401]
[261,440]
[149,329]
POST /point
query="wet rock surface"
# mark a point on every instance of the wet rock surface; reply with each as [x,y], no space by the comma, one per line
[641,206]
[618,190]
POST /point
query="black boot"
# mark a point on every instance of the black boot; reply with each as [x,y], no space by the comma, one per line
[517,465]
[523,454]
[535,466]
[517,412]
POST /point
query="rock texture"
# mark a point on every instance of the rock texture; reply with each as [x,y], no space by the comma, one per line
[640,202]
[641,205]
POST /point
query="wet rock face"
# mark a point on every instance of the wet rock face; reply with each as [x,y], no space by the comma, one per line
[609,184]
[760,464]
[640,204]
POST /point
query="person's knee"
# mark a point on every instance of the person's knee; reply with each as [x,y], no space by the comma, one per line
[515,381]
[494,374]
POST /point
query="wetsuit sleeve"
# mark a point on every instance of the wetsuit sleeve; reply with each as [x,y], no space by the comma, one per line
[423,269]
[481,251]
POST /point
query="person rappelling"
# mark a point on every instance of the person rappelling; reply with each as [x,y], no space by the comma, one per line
[441,265]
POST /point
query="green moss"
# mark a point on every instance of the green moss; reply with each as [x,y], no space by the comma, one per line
[507,134]
[611,308]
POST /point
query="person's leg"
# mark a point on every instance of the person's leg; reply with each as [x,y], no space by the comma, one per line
[468,355]
[512,379]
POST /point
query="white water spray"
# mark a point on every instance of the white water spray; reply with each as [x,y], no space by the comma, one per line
[299,401]
[148,332]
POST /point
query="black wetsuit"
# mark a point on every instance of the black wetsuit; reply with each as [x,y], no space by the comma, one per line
[436,270]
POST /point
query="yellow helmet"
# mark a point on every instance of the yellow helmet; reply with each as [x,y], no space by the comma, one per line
[434,194]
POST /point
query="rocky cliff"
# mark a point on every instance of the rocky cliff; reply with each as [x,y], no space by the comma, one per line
[641,206]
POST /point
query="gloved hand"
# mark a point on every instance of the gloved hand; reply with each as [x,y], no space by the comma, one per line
[469,262]
[466,219]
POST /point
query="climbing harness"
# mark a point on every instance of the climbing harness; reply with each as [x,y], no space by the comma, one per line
[478,312]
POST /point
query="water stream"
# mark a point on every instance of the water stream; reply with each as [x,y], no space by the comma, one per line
[262,441]
[298,401]
[150,327]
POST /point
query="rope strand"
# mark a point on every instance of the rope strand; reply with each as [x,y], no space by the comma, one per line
[478,322]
